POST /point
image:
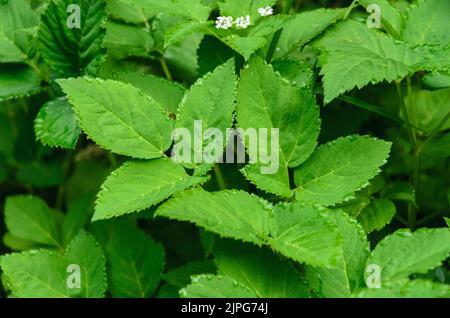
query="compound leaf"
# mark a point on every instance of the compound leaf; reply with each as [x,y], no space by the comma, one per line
[35,274]
[135,262]
[253,268]
[209,103]
[339,168]
[405,288]
[210,286]
[85,252]
[166,93]
[17,80]
[230,213]
[304,27]
[404,253]
[290,113]
[376,215]
[354,56]
[119,117]
[56,124]
[75,50]
[427,23]
[347,276]
[30,218]
[137,185]
[305,234]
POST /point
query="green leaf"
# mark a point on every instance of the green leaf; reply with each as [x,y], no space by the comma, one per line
[391,19]
[135,262]
[210,286]
[183,8]
[211,101]
[45,274]
[430,108]
[17,80]
[230,213]
[399,191]
[348,275]
[79,214]
[437,80]
[56,124]
[305,234]
[304,27]
[296,71]
[253,268]
[245,46]
[124,40]
[119,117]
[35,274]
[266,100]
[354,56]
[182,30]
[377,214]
[17,244]
[181,276]
[436,150]
[417,288]
[15,18]
[404,253]
[41,174]
[339,168]
[126,12]
[72,51]
[85,252]
[447,221]
[137,185]
[294,231]
[166,93]
[427,23]
[257,35]
[9,52]
[30,218]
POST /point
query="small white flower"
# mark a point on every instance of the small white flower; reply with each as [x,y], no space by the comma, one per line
[224,22]
[242,22]
[264,12]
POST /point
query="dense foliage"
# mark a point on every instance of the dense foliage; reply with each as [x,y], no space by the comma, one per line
[94,203]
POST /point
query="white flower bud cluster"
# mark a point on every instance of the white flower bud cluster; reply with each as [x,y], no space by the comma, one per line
[226,22]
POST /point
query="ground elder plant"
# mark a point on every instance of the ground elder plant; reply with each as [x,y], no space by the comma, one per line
[225,148]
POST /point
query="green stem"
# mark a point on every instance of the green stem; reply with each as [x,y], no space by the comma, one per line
[165,68]
[277,35]
[401,220]
[350,8]
[35,68]
[219,177]
[412,213]
[412,137]
[374,109]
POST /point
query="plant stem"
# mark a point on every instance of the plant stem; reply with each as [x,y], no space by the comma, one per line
[277,35]
[374,109]
[412,137]
[350,8]
[417,160]
[219,177]
[165,68]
